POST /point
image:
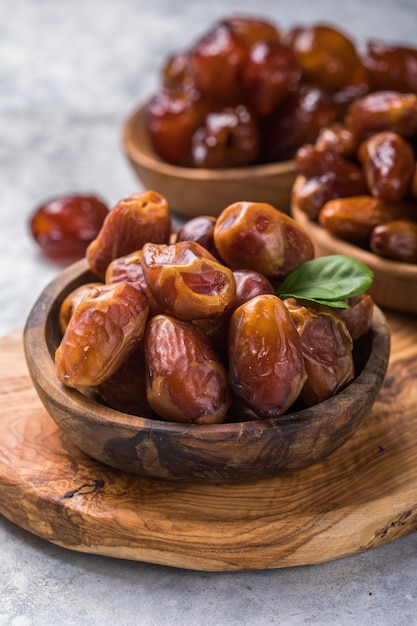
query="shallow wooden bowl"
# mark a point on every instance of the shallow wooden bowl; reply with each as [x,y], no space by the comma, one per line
[190,191]
[395,284]
[186,452]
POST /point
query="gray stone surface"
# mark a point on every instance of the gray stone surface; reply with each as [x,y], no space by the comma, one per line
[69,73]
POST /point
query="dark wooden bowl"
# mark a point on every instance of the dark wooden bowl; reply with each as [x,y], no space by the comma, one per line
[185,452]
[395,284]
[191,191]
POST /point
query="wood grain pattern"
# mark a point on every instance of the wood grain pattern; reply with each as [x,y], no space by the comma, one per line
[362,496]
[191,191]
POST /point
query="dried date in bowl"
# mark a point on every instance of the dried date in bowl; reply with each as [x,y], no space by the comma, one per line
[395,283]
[228,452]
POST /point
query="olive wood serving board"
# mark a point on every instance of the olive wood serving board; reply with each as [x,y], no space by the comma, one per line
[362,496]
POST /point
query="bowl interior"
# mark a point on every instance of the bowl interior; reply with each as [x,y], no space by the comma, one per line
[218,453]
[196,191]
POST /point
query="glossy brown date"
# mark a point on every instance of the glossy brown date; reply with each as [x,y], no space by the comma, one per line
[297,121]
[266,367]
[313,194]
[103,332]
[125,390]
[327,56]
[185,380]
[358,317]
[65,225]
[383,111]
[216,60]
[129,269]
[70,303]
[271,71]
[312,162]
[353,219]
[391,67]
[201,230]
[173,116]
[248,285]
[337,138]
[176,77]
[256,236]
[396,240]
[227,137]
[187,281]
[327,351]
[130,224]
[389,163]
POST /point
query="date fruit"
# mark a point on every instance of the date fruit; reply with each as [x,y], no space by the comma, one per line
[297,121]
[250,284]
[173,116]
[327,351]
[185,380]
[311,162]
[125,390]
[391,67]
[187,281]
[389,163]
[227,137]
[266,366]
[337,138]
[396,240]
[129,269]
[358,317]
[104,330]
[201,230]
[65,225]
[327,56]
[270,73]
[383,111]
[130,224]
[216,60]
[313,194]
[353,219]
[256,236]
[70,303]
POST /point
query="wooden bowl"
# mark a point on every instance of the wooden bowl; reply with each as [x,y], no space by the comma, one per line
[185,452]
[195,191]
[395,284]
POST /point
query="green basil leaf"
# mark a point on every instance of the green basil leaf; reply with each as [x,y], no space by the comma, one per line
[328,280]
[338,304]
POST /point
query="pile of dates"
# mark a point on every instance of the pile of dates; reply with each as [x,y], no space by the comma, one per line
[187,327]
[248,92]
[360,176]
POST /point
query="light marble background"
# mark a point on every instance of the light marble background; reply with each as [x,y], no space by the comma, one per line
[69,74]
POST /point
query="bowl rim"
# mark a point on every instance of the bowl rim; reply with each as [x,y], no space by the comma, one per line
[39,358]
[143,154]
